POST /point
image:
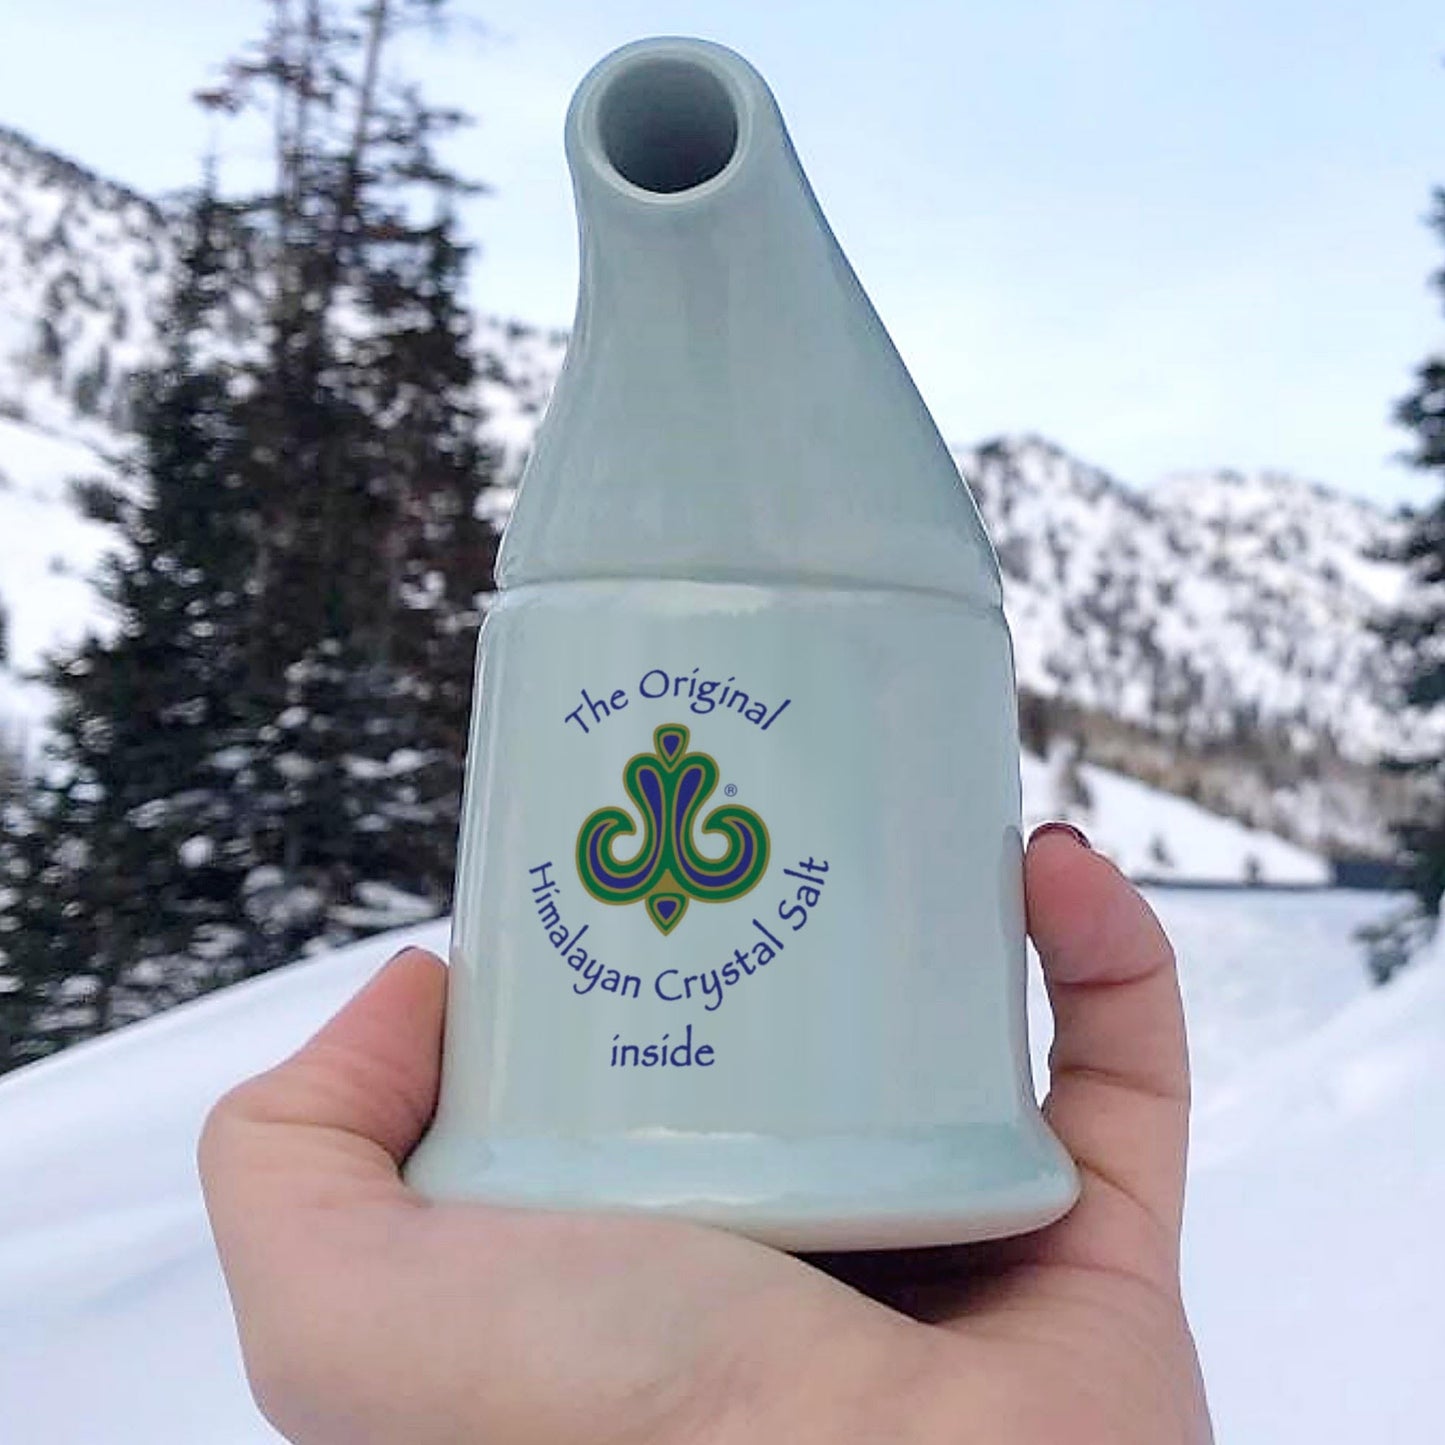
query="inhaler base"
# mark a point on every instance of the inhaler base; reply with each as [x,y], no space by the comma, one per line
[943,1185]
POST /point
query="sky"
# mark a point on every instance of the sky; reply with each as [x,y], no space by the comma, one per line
[1165,235]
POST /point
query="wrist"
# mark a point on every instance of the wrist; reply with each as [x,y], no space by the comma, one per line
[891,1383]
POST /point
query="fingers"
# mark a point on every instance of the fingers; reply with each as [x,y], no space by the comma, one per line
[300,1172]
[1119,1096]
[338,1117]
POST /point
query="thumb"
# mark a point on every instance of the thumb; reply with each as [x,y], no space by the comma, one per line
[1119,1096]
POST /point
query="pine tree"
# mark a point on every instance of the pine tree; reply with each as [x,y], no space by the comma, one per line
[122,860]
[365,456]
[1419,626]
[267,756]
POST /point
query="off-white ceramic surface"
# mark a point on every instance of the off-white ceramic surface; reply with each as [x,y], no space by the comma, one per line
[743,573]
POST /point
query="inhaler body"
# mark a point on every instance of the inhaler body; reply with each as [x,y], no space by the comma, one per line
[739,918]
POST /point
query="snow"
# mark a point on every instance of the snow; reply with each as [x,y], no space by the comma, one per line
[1130,822]
[1312,1266]
[1217,599]
[47,549]
[48,555]
[127,1297]
[84,264]
[1322,1184]
[196,851]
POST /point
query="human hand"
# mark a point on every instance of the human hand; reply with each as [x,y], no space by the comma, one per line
[369,1317]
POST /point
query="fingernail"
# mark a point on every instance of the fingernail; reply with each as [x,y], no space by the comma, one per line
[1059,826]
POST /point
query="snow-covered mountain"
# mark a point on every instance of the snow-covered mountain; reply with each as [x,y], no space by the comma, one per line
[1213,634]
[1210,635]
[48,553]
[83,266]
[1213,605]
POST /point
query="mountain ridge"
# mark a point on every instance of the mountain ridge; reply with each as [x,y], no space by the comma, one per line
[1213,634]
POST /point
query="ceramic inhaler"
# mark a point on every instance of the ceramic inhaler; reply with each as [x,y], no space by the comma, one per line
[739,912]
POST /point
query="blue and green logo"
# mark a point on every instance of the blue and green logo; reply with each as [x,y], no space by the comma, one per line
[670,787]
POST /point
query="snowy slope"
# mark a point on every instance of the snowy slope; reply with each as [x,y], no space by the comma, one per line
[84,269]
[1210,605]
[1313,1257]
[1313,1271]
[48,554]
[1151,834]
[84,264]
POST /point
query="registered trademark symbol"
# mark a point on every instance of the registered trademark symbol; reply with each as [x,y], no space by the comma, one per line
[731,790]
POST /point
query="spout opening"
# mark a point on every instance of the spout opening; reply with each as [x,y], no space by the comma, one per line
[667,125]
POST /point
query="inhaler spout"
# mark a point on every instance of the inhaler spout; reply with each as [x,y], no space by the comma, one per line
[665,123]
[729,393]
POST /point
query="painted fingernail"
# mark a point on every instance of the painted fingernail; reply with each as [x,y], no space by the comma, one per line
[1059,826]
